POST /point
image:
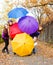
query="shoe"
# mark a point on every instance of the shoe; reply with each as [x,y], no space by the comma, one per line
[3,51]
[33,52]
[14,53]
[7,52]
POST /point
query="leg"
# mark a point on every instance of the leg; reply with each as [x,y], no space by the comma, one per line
[34,50]
[3,50]
[6,47]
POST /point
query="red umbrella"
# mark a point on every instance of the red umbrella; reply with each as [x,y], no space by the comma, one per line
[13,30]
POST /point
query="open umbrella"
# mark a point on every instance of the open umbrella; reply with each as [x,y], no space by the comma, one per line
[17,12]
[28,14]
[28,24]
[22,44]
[13,30]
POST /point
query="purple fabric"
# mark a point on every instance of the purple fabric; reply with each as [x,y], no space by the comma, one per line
[2,35]
[28,24]
[5,35]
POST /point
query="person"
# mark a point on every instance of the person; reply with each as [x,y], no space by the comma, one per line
[35,37]
[5,37]
[10,23]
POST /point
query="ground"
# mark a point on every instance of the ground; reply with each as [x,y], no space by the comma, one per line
[43,56]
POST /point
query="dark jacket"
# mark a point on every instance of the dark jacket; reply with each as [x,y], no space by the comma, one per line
[36,34]
[5,34]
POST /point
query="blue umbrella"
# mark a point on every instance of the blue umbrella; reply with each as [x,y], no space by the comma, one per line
[17,13]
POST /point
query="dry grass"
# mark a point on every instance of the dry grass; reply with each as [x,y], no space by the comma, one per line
[45,49]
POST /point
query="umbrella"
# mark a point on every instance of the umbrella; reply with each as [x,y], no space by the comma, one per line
[28,24]
[13,30]
[22,44]
[17,12]
[28,14]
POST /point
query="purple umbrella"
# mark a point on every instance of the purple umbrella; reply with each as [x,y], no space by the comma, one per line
[28,24]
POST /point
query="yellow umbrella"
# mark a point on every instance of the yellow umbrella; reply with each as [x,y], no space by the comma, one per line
[22,44]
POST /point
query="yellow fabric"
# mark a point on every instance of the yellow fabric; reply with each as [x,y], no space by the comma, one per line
[22,44]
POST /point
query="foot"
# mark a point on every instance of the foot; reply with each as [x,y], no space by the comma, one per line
[7,52]
[3,51]
[14,53]
[33,52]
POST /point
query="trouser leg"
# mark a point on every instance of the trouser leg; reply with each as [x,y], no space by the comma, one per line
[6,45]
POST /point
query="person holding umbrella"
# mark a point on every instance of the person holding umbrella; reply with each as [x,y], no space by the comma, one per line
[35,36]
[10,23]
[13,29]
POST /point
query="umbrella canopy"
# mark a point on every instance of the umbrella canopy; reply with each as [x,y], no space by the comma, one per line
[28,24]
[13,30]
[17,12]
[22,44]
[28,14]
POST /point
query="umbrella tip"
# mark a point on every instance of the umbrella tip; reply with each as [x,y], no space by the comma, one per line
[24,43]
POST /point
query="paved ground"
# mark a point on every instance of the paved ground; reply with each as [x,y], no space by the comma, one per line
[35,59]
